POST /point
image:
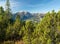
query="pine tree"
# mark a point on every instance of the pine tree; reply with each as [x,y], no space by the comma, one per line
[29,29]
[8,10]
[1,10]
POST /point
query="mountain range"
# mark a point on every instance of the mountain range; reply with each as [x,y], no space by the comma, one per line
[29,16]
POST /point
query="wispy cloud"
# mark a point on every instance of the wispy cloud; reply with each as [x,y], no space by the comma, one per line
[13,4]
[32,5]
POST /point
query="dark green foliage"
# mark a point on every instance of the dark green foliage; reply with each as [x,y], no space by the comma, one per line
[45,32]
[1,10]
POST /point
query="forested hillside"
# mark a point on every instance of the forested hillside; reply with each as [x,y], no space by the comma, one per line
[46,31]
[12,31]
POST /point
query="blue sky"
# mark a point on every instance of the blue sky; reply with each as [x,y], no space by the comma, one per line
[33,6]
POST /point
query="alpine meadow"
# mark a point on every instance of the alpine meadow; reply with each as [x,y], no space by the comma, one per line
[28,27]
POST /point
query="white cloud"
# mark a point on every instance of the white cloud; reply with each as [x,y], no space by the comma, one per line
[13,4]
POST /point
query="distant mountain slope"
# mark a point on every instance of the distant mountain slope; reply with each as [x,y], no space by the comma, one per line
[29,16]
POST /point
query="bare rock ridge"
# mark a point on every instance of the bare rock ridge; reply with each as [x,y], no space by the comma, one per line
[29,16]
